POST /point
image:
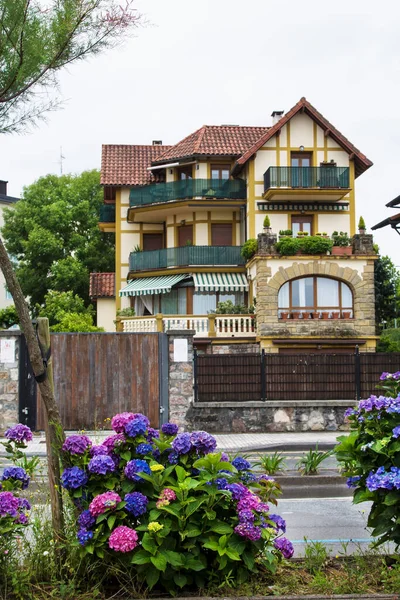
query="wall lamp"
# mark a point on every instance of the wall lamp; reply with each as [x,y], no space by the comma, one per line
[183,222]
[301,148]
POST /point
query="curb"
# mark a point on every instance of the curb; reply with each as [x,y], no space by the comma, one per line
[280,447]
[313,597]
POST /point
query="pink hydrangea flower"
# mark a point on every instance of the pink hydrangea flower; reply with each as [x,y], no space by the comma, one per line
[119,421]
[123,539]
[165,497]
[113,440]
[102,502]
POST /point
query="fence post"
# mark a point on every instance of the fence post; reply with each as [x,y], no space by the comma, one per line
[195,383]
[263,376]
[357,364]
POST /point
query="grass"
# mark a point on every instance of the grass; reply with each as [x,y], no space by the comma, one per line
[310,462]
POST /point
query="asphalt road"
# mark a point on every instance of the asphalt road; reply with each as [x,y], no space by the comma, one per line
[335,522]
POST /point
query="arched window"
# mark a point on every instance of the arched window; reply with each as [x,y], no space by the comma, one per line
[316,296]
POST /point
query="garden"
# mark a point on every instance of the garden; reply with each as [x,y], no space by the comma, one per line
[155,512]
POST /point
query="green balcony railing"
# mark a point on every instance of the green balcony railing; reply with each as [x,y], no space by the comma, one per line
[307,177]
[186,256]
[234,189]
[107,213]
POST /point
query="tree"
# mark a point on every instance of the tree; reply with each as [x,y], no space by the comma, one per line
[387,282]
[53,233]
[67,313]
[40,38]
[8,317]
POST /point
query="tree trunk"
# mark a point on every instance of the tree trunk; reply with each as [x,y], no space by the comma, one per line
[54,430]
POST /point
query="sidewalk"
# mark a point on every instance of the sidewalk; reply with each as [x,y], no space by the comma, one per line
[232,442]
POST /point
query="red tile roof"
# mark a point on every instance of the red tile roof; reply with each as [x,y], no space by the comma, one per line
[102,285]
[214,140]
[362,163]
[127,165]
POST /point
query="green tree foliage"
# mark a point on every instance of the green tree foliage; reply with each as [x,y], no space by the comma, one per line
[40,38]
[67,312]
[387,281]
[389,341]
[8,317]
[53,233]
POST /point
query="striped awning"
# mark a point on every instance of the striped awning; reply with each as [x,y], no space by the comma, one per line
[220,282]
[151,285]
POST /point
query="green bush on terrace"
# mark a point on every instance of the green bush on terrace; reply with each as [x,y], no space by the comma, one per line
[306,244]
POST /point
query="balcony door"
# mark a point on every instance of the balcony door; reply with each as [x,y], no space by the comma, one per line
[153,241]
[221,234]
[301,174]
[220,171]
[185,235]
[185,173]
[301,224]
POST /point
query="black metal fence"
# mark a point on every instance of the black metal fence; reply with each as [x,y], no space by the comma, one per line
[249,377]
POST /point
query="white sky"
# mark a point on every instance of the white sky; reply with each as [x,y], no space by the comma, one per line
[229,61]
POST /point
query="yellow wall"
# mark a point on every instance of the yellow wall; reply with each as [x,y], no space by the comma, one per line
[106,313]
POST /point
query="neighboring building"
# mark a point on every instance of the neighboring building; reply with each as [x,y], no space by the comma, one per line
[102,291]
[393,220]
[5,202]
[181,214]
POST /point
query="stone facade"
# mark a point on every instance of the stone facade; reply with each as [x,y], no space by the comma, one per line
[356,270]
[241,348]
[259,417]
[9,375]
[180,377]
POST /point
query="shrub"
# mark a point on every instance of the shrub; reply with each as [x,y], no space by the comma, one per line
[8,317]
[389,341]
[316,245]
[173,510]
[249,248]
[361,223]
[340,239]
[228,308]
[371,458]
[126,312]
[288,246]
[285,232]
[267,221]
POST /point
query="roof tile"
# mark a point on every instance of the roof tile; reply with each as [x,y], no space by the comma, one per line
[127,165]
[102,285]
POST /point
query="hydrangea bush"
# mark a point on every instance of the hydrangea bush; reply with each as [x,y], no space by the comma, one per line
[176,512]
[371,457]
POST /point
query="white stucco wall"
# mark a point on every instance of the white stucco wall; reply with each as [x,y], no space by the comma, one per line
[201,172]
[106,313]
[4,302]
[333,222]
[301,131]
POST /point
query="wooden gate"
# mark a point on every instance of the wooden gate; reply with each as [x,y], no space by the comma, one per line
[97,375]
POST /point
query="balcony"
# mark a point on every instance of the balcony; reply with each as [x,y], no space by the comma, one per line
[223,189]
[186,256]
[306,183]
[107,213]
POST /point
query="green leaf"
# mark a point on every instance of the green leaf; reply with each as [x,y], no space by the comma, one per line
[201,463]
[174,558]
[127,486]
[149,544]
[180,580]
[226,466]
[236,544]
[211,514]
[111,520]
[194,532]
[181,473]
[126,455]
[159,561]
[220,527]
[363,496]
[140,558]
[392,498]
[194,564]
[154,514]
[232,554]
[194,506]
[223,541]
[211,545]
[248,560]
[100,552]
[146,477]
[152,576]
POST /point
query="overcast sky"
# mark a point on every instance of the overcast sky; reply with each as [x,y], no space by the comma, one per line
[229,61]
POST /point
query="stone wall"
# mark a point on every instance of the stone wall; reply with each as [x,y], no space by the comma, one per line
[271,417]
[245,348]
[9,375]
[180,375]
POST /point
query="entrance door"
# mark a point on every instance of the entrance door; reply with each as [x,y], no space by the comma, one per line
[153,241]
[185,235]
[301,175]
[301,224]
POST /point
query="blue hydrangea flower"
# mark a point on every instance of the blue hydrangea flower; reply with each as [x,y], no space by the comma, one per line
[137,426]
[101,465]
[396,432]
[86,520]
[279,522]
[221,483]
[241,464]
[144,449]
[383,479]
[237,490]
[169,429]
[18,474]
[203,442]
[73,478]
[182,443]
[353,481]
[136,503]
[152,434]
[136,466]
[173,458]
[84,536]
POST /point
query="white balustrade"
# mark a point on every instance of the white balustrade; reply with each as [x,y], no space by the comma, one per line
[234,326]
[137,325]
[199,324]
[225,325]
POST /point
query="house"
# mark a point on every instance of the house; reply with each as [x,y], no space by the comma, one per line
[181,214]
[5,202]
[393,220]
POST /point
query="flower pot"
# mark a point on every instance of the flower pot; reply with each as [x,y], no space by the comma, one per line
[315,314]
[325,315]
[342,250]
[346,314]
[298,315]
[335,314]
[286,315]
[361,231]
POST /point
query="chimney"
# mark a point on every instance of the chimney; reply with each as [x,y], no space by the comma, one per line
[3,188]
[276,116]
[157,142]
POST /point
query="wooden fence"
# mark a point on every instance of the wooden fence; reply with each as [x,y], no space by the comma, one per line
[97,375]
[287,377]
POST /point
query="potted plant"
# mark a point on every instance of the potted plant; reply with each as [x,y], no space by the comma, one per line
[346,314]
[297,314]
[341,244]
[335,314]
[361,226]
[325,314]
[319,234]
[267,224]
[324,234]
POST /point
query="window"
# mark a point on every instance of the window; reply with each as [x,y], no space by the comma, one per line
[185,173]
[221,234]
[301,224]
[153,241]
[220,171]
[316,294]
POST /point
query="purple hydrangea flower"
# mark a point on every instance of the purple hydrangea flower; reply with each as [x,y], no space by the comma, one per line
[246,516]
[24,504]
[349,412]
[182,443]
[84,536]
[98,451]
[144,449]
[238,490]
[249,531]
[224,457]
[152,434]
[203,442]
[279,522]
[101,465]
[353,481]
[283,545]
[19,433]
[173,458]
[76,444]
[119,421]
[136,466]
[241,464]
[137,426]
[136,503]
[73,478]
[113,441]
[9,504]
[17,474]
[169,429]
[221,483]
[22,519]
[86,520]
[396,432]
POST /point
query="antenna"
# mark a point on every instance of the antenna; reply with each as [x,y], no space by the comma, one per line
[60,162]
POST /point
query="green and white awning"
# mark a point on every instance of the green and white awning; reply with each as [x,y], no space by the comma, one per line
[220,282]
[151,285]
